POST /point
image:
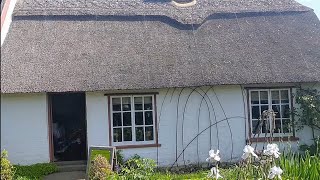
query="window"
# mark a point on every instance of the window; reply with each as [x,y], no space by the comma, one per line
[278,100]
[133,119]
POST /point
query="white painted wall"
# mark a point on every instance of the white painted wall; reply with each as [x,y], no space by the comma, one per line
[24,125]
[24,128]
[231,101]
[232,104]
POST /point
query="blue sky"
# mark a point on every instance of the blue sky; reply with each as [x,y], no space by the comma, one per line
[314,4]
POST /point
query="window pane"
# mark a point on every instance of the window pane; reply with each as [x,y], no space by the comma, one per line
[117,119]
[148,118]
[286,125]
[264,97]
[138,103]
[116,104]
[127,119]
[255,128]
[284,96]
[254,97]
[275,97]
[139,134]
[276,109]
[264,108]
[139,118]
[277,128]
[149,133]
[148,103]
[255,112]
[127,134]
[117,135]
[285,111]
[126,104]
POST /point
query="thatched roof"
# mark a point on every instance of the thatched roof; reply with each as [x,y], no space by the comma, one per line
[193,15]
[103,45]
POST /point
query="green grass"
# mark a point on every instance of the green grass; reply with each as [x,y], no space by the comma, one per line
[104,153]
[34,172]
[294,166]
[170,176]
[301,167]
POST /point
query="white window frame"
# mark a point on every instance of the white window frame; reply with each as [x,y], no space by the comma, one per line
[133,126]
[269,90]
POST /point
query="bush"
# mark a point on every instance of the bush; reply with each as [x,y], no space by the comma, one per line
[36,171]
[120,158]
[7,170]
[313,149]
[138,168]
[100,168]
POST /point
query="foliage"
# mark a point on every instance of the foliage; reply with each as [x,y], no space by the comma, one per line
[312,149]
[294,167]
[36,171]
[100,168]
[7,170]
[309,110]
[301,167]
[137,168]
[105,153]
[120,157]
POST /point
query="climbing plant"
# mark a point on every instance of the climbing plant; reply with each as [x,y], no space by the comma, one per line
[309,109]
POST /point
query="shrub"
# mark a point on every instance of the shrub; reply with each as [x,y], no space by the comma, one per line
[120,158]
[7,170]
[138,168]
[313,149]
[309,112]
[36,171]
[99,168]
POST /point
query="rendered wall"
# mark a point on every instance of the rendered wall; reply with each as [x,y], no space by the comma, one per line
[24,125]
[192,109]
[24,128]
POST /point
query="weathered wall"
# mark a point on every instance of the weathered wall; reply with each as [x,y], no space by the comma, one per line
[24,128]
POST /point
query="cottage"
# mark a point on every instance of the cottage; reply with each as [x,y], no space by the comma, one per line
[168,80]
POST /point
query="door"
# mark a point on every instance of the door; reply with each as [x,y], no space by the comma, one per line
[68,126]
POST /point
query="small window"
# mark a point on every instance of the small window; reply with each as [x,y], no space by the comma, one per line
[132,119]
[278,100]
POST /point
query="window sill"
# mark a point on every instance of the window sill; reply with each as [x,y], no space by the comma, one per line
[138,146]
[279,139]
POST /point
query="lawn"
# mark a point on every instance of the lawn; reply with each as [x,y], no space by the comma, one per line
[34,172]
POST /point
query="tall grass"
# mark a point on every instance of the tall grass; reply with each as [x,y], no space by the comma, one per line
[297,166]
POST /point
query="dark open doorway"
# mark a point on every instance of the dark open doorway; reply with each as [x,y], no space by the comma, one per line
[68,119]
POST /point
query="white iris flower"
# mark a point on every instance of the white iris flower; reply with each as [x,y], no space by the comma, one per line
[275,171]
[248,150]
[272,150]
[213,156]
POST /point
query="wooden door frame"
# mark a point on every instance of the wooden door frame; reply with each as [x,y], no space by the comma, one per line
[50,122]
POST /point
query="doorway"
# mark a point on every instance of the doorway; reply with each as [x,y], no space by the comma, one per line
[68,120]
